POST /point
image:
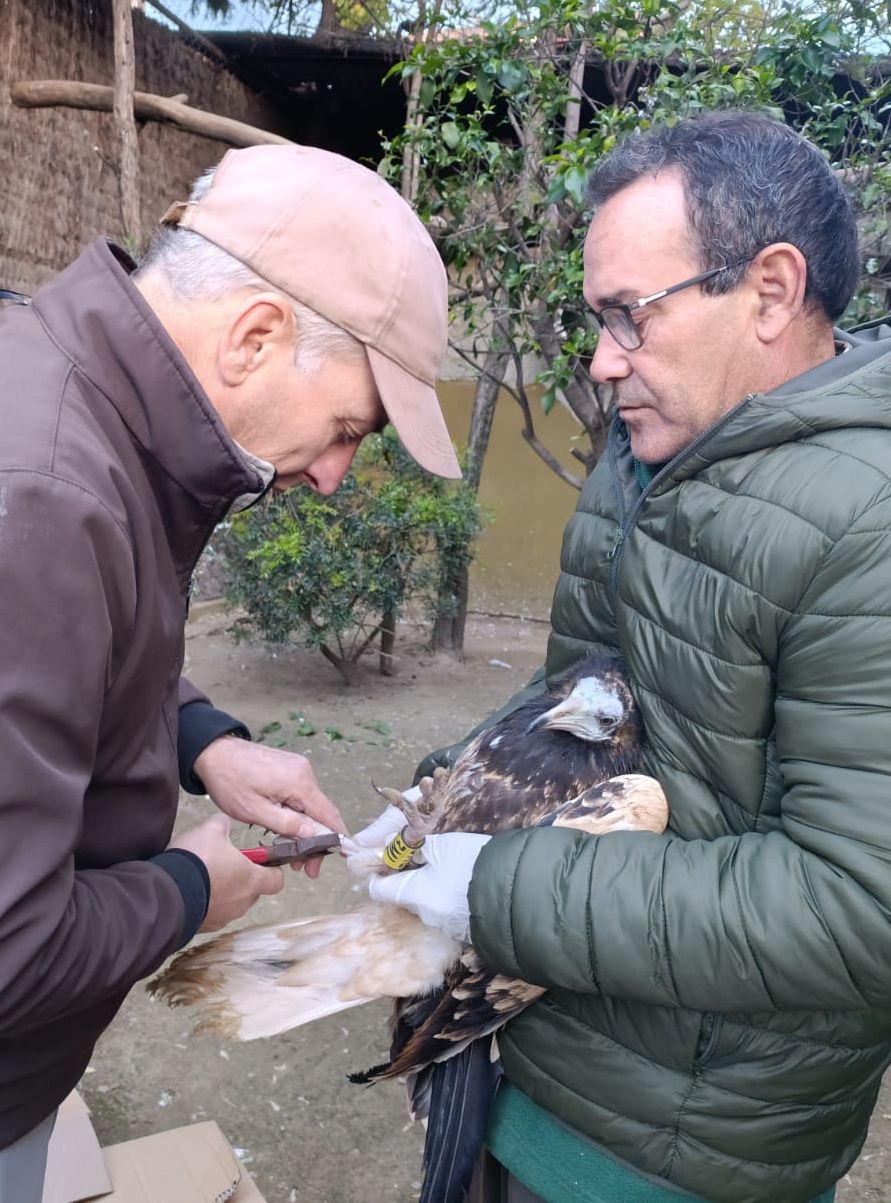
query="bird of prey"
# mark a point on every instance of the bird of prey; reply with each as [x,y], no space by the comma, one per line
[565,758]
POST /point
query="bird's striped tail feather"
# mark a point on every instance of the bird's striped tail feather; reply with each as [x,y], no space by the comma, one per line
[462,1089]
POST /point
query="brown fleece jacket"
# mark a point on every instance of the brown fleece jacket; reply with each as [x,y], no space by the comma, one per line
[114,469]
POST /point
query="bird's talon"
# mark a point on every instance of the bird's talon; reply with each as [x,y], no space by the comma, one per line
[394,797]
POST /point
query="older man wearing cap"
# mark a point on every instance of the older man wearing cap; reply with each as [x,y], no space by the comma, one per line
[290,307]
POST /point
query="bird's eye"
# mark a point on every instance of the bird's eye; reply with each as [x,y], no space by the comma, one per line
[607,721]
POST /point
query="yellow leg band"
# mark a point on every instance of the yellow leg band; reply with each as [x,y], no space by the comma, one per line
[398,855]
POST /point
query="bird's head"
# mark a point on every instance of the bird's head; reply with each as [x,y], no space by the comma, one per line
[597,706]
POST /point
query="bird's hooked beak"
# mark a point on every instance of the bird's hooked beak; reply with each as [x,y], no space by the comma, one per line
[576,715]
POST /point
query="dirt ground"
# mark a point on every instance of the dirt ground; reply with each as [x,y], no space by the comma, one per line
[304,1132]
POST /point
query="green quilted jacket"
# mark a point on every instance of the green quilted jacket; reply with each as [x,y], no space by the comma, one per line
[718,1010]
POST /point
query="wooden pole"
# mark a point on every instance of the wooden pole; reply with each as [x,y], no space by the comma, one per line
[125,122]
[52,93]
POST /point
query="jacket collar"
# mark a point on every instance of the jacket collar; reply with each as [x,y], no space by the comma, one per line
[801,407]
[105,327]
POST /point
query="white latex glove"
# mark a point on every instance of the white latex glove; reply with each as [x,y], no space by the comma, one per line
[437,892]
[363,851]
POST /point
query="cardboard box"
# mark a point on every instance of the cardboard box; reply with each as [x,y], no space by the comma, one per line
[194,1164]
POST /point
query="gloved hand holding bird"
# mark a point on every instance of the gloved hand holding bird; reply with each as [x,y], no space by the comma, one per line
[566,758]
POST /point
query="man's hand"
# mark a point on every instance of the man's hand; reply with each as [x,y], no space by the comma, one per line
[437,892]
[235,882]
[269,787]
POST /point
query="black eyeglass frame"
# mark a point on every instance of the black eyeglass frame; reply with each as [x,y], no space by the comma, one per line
[626,325]
[17,298]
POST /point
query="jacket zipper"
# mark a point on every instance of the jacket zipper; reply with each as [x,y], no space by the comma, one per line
[709,1034]
[625,527]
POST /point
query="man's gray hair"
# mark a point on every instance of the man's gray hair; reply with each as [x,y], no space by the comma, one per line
[749,181]
[198,270]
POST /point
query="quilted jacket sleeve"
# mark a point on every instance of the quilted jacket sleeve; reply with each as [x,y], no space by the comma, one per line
[798,917]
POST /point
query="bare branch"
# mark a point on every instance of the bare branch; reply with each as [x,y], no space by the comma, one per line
[50,93]
[553,463]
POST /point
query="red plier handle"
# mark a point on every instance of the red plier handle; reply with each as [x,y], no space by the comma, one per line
[284,851]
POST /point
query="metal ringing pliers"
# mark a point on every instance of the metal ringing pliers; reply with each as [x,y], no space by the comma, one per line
[285,851]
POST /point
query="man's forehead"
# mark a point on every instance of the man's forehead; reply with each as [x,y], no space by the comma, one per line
[636,240]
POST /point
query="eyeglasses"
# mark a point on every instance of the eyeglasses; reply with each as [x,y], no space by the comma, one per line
[16,298]
[618,321]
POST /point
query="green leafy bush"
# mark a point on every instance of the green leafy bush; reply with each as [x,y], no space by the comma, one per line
[336,572]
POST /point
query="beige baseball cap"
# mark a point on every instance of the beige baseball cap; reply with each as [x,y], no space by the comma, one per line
[337,237]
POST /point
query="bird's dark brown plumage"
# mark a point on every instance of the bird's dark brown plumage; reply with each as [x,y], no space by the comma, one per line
[521,772]
[512,776]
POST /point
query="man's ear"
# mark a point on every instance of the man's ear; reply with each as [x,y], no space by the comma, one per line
[779,277]
[252,334]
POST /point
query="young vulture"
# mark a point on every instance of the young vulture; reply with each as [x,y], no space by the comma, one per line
[566,758]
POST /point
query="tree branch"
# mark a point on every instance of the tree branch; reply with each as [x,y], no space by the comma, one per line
[52,93]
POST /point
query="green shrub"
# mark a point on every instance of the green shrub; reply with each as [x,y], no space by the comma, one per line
[336,572]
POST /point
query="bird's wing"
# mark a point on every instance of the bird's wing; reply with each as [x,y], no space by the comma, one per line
[259,981]
[488,794]
[475,1002]
[632,802]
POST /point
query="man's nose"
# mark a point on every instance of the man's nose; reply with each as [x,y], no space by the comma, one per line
[610,361]
[329,469]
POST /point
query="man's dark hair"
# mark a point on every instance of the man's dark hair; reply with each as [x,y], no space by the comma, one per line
[749,181]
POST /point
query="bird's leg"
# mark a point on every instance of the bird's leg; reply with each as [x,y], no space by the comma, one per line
[422,815]
[424,812]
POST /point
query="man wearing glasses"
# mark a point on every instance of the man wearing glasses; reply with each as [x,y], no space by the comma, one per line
[718,1014]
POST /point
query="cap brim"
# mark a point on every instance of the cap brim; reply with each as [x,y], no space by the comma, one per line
[413,408]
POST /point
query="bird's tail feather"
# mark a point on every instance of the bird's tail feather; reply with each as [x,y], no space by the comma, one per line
[462,1090]
[260,981]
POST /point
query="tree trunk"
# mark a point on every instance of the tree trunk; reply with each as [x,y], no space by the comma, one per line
[125,122]
[346,668]
[329,21]
[573,113]
[388,639]
[441,637]
[448,629]
[424,28]
[459,620]
[487,389]
[411,155]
